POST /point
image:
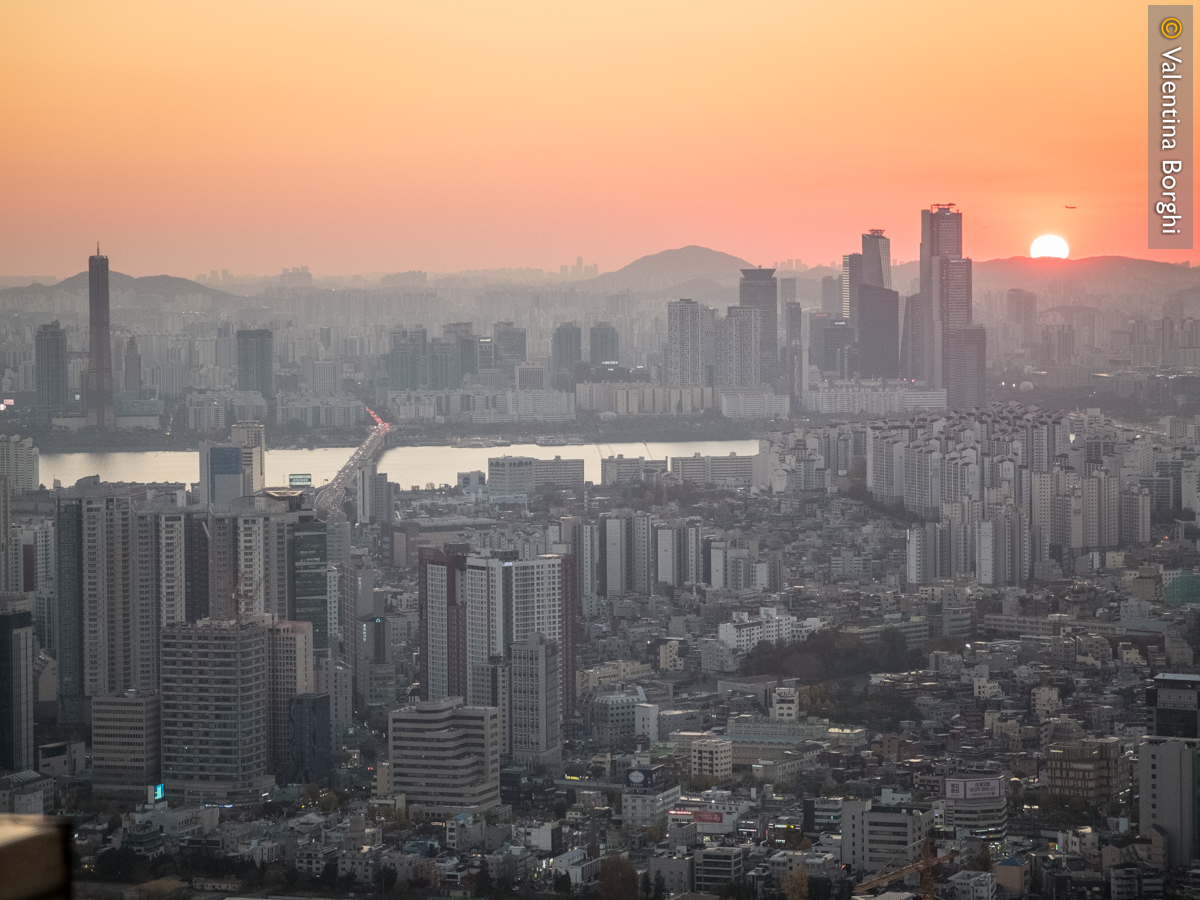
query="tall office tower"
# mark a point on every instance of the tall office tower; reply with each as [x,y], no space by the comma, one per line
[125,744]
[445,365]
[509,342]
[831,296]
[214,712]
[446,756]
[234,469]
[604,345]
[98,390]
[852,279]
[442,618]
[256,361]
[759,289]
[133,368]
[309,729]
[485,355]
[566,352]
[16,683]
[877,259]
[965,350]
[310,582]
[1020,309]
[50,369]
[878,330]
[463,334]
[685,361]
[739,348]
[289,674]
[536,723]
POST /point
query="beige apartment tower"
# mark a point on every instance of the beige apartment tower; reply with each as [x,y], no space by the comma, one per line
[446,756]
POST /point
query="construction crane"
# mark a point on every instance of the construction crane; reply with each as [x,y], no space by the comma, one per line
[925,866]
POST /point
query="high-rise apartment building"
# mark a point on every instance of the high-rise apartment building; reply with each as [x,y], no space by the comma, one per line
[603,344]
[445,756]
[98,389]
[475,607]
[685,357]
[739,348]
[759,289]
[215,684]
[17,652]
[19,463]
[50,369]
[250,550]
[125,744]
[256,361]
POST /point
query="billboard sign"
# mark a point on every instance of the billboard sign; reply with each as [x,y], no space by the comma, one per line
[639,778]
[972,788]
[708,817]
[300,481]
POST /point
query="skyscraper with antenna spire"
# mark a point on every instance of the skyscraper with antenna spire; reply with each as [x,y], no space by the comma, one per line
[98,388]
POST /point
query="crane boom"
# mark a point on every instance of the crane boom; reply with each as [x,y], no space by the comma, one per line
[925,866]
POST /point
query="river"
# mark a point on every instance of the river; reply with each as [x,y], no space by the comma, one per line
[407,466]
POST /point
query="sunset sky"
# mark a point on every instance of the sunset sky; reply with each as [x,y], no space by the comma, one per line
[383,136]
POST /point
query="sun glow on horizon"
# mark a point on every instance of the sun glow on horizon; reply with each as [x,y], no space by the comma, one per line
[1049,245]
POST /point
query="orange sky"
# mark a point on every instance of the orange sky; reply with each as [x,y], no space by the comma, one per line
[384,136]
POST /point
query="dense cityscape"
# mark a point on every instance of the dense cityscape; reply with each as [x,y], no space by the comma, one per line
[935,635]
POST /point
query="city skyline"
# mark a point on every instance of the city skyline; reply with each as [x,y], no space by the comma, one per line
[587,161]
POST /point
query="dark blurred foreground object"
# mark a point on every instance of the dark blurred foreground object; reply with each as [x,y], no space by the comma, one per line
[35,857]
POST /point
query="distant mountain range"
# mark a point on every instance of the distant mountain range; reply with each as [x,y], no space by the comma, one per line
[710,276]
[118,283]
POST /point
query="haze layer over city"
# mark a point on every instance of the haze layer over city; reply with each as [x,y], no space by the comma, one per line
[637,452]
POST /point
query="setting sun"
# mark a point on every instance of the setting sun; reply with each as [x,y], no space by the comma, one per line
[1049,245]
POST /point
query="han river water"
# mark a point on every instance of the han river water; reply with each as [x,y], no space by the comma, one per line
[406,466]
